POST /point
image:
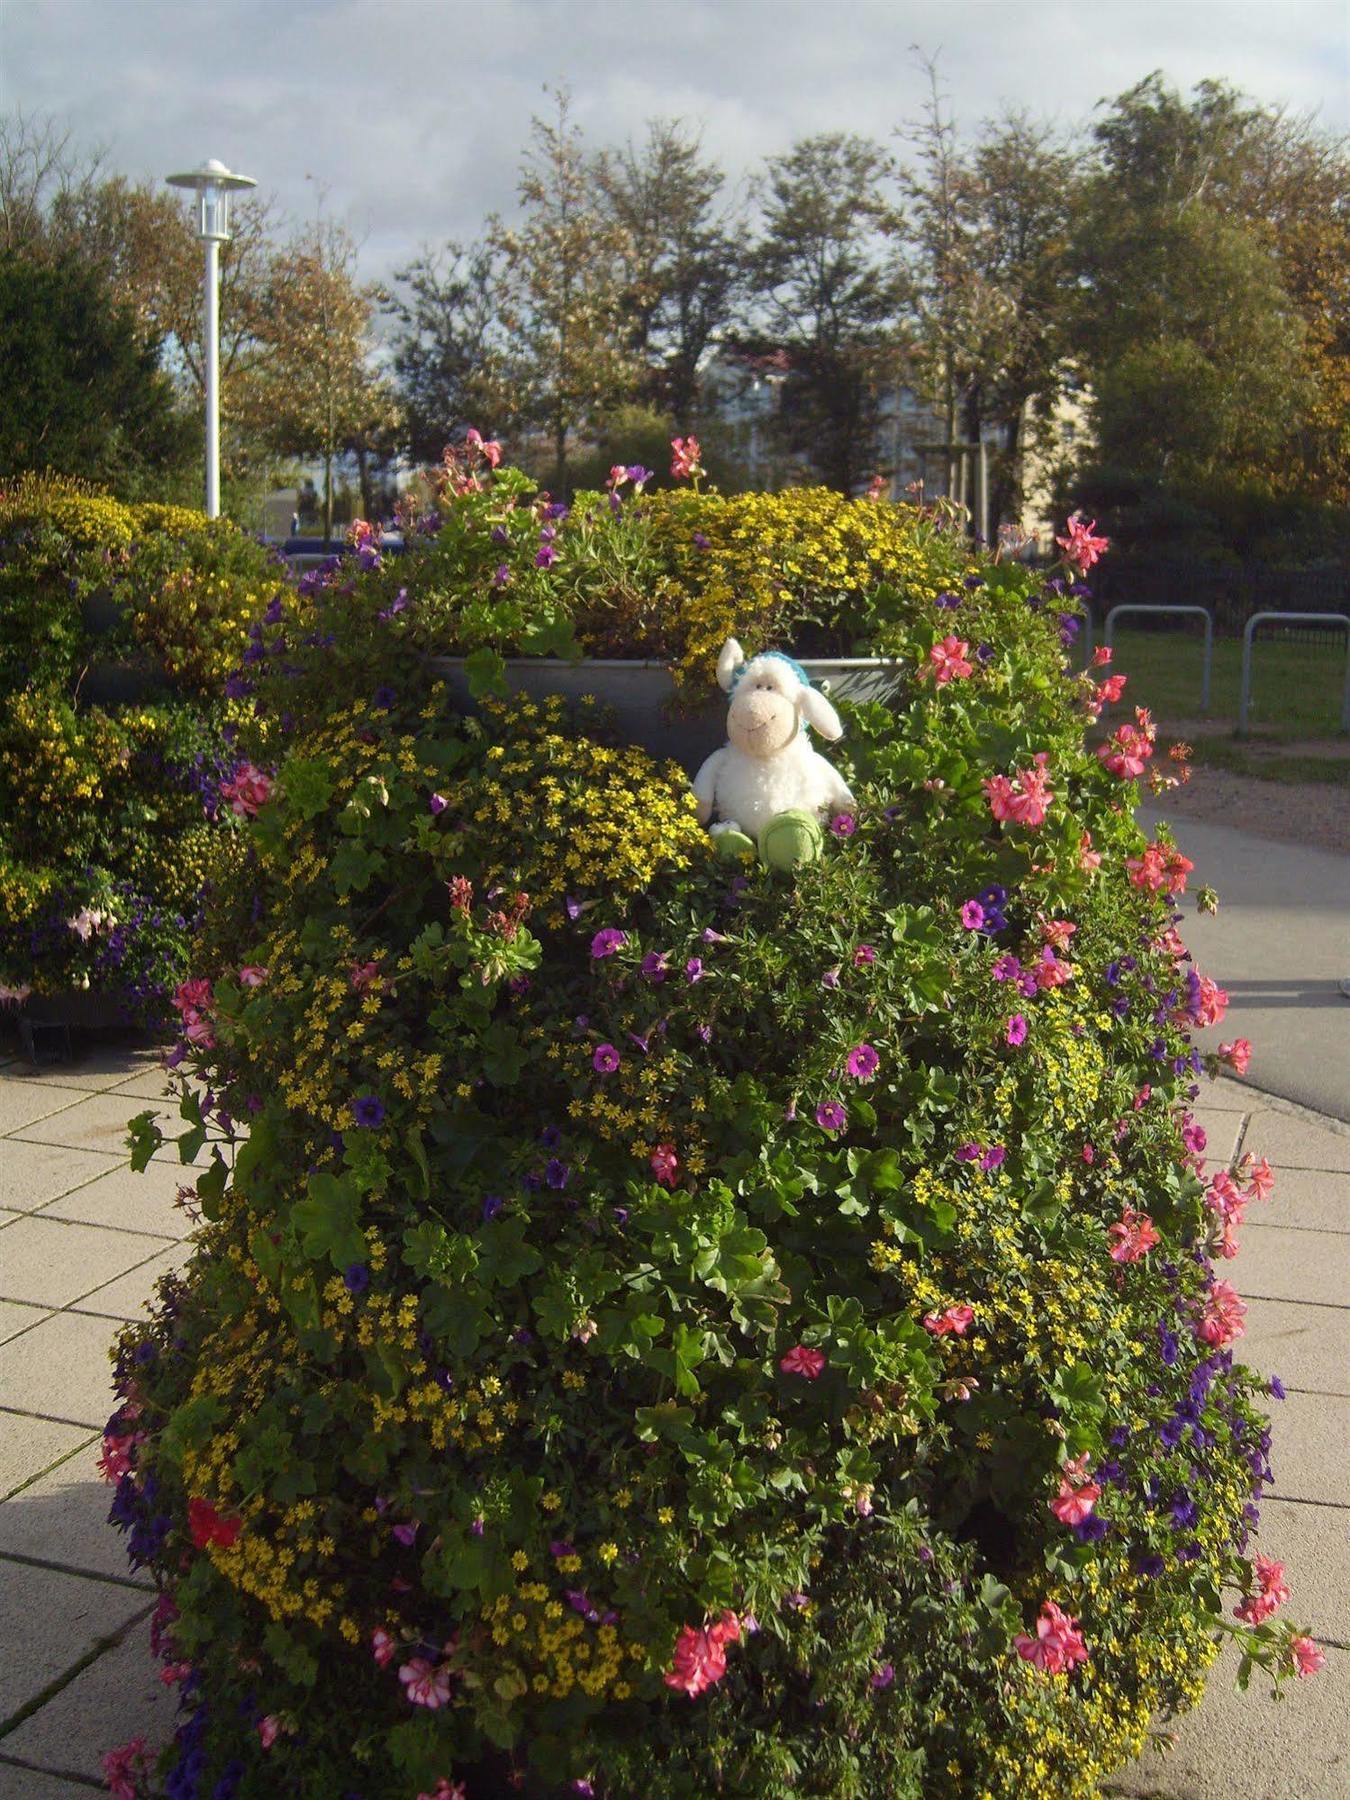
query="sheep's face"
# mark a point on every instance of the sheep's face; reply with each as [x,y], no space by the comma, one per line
[765,712]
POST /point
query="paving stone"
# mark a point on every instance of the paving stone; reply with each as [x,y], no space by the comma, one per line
[1278,1264]
[21,1102]
[128,1201]
[155,1084]
[32,1784]
[1313,1543]
[48,1621]
[16,1317]
[1289,1142]
[1310,1432]
[1247,1747]
[33,1174]
[1309,1199]
[119,1696]
[1306,1346]
[61,1369]
[53,1261]
[98,1122]
[29,1446]
[63,1518]
[97,1070]
[130,1295]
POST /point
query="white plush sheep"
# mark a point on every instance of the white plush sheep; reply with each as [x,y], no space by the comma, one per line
[768,768]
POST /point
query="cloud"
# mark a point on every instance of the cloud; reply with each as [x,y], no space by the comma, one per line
[410,114]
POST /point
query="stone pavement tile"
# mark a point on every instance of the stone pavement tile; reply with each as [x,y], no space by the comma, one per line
[1307,1199]
[61,1369]
[18,1783]
[1310,1432]
[15,1317]
[29,1446]
[9,1218]
[129,1202]
[94,1072]
[48,1621]
[1277,1264]
[130,1295]
[98,1122]
[1249,1747]
[54,1262]
[1289,1142]
[1306,1346]
[33,1174]
[1313,1543]
[152,1084]
[22,1102]
[119,1696]
[63,1518]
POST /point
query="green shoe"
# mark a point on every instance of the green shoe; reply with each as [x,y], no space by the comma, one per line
[790,839]
[733,846]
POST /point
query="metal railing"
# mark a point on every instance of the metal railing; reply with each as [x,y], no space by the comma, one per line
[1202,611]
[1290,618]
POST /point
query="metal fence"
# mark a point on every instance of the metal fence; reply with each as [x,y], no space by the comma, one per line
[1229,592]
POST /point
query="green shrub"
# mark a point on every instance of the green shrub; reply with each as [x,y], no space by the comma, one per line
[630,1272]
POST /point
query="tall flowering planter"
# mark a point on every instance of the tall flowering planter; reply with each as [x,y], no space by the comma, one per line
[662,1327]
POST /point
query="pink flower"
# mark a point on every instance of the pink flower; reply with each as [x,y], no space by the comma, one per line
[843,825]
[700,1656]
[665,1164]
[426,1684]
[14,995]
[1057,1645]
[1259,1175]
[1222,1319]
[655,967]
[247,790]
[118,1459]
[122,1767]
[251,976]
[1160,869]
[446,1789]
[606,942]
[363,977]
[1025,799]
[831,1116]
[1132,1236]
[192,996]
[1076,1497]
[382,1647]
[1006,968]
[685,462]
[1308,1656]
[490,450]
[1237,1055]
[863,1062]
[1016,1033]
[1213,1003]
[1080,547]
[1126,752]
[947,661]
[972,915]
[605,1059]
[801,1361]
[269,1729]
[863,955]
[1089,859]
[1101,656]
[955,1321]
[1050,972]
[1110,690]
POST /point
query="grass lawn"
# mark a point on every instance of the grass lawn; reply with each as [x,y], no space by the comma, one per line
[1296,696]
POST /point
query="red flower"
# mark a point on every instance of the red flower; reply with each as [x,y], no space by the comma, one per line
[801,1361]
[665,1164]
[700,1656]
[207,1526]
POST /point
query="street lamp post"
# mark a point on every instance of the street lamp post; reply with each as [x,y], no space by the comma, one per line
[212,184]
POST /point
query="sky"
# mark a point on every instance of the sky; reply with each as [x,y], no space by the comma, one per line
[408,116]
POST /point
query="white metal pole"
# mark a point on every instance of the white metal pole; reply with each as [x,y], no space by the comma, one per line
[211,333]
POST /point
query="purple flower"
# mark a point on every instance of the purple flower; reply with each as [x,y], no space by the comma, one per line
[968,1152]
[605,1059]
[556,1172]
[654,966]
[700,542]
[638,475]
[693,969]
[1275,1388]
[498,534]
[993,1157]
[883,1677]
[545,556]
[367,1110]
[436,805]
[1006,968]
[830,978]
[606,942]
[397,605]
[972,915]
[843,825]
[574,908]
[502,573]
[406,1534]
[1017,1031]
[385,697]
[863,1062]
[550,1137]
[356,1278]
[830,1116]
[492,1205]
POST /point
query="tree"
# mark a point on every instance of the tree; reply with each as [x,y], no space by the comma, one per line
[315,388]
[84,395]
[828,290]
[565,360]
[446,348]
[682,267]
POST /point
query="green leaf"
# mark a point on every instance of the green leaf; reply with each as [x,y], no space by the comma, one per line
[191,1426]
[432,1251]
[504,1257]
[296,1662]
[307,785]
[352,867]
[144,1137]
[486,673]
[326,1220]
[211,1186]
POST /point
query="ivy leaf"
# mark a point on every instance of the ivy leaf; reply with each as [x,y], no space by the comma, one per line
[504,1257]
[211,1187]
[144,1137]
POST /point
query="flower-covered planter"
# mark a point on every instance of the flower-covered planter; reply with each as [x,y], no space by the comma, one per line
[647,707]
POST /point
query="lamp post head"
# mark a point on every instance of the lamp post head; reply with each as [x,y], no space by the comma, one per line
[212,184]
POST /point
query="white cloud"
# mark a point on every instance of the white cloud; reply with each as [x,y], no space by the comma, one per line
[412,113]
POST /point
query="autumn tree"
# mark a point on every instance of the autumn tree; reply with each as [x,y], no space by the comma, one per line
[566,359]
[446,346]
[827,290]
[681,261]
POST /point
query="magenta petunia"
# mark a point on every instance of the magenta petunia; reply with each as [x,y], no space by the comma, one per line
[863,1062]
[830,1116]
[843,825]
[972,915]
[606,942]
[1017,1030]
[605,1059]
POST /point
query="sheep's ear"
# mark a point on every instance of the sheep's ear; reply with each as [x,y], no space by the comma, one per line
[730,658]
[819,714]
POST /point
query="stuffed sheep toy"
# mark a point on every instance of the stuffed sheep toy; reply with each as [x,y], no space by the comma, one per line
[767,787]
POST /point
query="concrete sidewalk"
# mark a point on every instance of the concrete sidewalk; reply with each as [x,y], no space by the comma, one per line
[82,1241]
[1279,945]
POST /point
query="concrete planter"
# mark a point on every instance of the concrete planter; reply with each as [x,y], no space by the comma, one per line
[643,699]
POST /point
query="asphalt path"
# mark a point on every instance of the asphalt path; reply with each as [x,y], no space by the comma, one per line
[1280,945]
